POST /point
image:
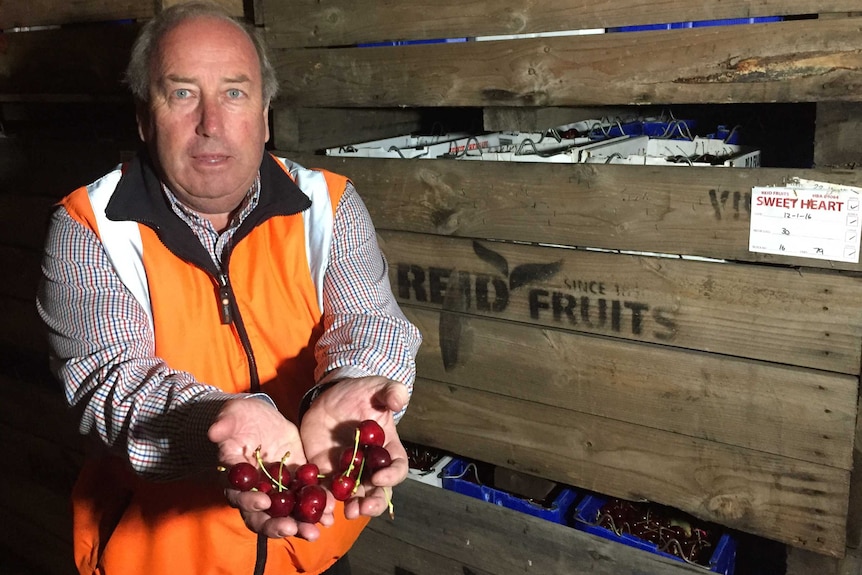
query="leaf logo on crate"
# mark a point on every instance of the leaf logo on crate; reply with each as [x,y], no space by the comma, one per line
[587,303]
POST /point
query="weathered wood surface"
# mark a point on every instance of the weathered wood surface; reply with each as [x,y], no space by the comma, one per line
[439,532]
[310,129]
[79,63]
[669,210]
[794,61]
[25,13]
[787,411]
[805,318]
[838,135]
[304,23]
[788,500]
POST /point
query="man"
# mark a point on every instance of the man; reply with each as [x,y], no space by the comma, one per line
[208,299]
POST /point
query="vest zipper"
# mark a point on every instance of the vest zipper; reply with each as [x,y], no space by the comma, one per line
[227,304]
[225,298]
[227,310]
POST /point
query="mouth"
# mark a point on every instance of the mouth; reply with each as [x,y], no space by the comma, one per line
[210,159]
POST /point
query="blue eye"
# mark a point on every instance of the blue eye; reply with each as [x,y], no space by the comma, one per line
[233,94]
[182,93]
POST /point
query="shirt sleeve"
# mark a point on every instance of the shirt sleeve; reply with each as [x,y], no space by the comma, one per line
[102,350]
[366,333]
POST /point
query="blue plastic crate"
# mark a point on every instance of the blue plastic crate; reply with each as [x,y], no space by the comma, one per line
[723,559]
[697,24]
[455,478]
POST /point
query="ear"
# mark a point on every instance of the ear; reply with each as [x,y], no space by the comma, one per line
[266,122]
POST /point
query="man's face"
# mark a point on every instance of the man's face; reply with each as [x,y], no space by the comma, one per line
[206,124]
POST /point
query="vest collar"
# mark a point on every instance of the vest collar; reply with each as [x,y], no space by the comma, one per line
[139,198]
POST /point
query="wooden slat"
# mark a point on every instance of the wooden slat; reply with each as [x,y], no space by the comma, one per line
[788,500]
[671,210]
[85,61]
[312,23]
[801,414]
[838,137]
[439,532]
[310,129]
[799,61]
[18,13]
[810,319]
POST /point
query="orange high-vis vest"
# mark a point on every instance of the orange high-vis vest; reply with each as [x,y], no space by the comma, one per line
[125,525]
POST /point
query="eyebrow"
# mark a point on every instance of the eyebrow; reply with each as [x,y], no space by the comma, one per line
[241,79]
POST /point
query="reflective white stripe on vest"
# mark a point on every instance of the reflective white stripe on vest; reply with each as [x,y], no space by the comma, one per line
[318,222]
[122,242]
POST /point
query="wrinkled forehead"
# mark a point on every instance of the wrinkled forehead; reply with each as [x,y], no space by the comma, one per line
[206,44]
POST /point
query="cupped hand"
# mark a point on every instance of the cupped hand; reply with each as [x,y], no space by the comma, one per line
[329,425]
[251,429]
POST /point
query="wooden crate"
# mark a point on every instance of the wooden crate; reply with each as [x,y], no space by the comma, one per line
[725,387]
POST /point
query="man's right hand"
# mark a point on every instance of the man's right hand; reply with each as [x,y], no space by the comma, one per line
[242,426]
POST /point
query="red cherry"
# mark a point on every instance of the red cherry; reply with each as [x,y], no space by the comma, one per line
[279,472]
[243,476]
[376,457]
[310,502]
[264,485]
[370,433]
[282,503]
[307,474]
[343,486]
[348,457]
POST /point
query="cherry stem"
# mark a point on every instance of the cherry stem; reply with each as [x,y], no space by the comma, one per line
[389,502]
[350,467]
[263,468]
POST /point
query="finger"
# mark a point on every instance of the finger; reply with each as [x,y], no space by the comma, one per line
[247,500]
[278,527]
[392,475]
[308,531]
[394,396]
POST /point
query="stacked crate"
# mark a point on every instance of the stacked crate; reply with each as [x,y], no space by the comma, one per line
[603,326]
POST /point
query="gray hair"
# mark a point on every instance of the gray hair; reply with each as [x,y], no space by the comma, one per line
[146,45]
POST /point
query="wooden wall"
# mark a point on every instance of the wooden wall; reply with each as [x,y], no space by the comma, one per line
[725,388]
[725,385]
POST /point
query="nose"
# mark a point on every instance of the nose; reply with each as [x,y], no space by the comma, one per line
[210,117]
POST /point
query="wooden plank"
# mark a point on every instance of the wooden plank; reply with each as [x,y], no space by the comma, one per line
[310,129]
[18,13]
[21,13]
[90,64]
[468,535]
[312,23]
[670,210]
[795,61]
[788,500]
[810,319]
[802,414]
[233,7]
[838,135]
